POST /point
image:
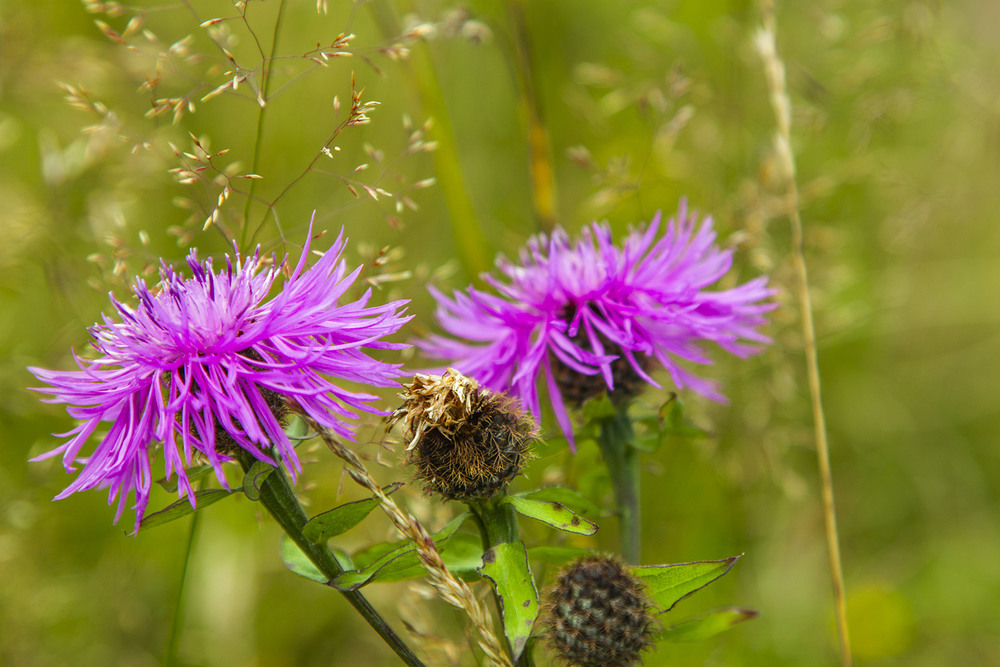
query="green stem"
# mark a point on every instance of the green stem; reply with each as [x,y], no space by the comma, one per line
[259,137]
[622,459]
[170,658]
[277,496]
[497,523]
[496,520]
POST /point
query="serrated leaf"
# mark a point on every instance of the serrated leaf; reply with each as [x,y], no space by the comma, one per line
[194,473]
[386,566]
[564,495]
[340,519]
[506,566]
[667,584]
[706,626]
[553,513]
[254,478]
[182,507]
[298,562]
[557,555]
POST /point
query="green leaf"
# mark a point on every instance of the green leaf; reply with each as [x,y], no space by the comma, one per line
[553,513]
[182,507]
[506,566]
[667,584]
[193,473]
[668,422]
[462,554]
[557,555]
[672,422]
[340,519]
[706,626]
[355,579]
[384,567]
[254,478]
[599,408]
[564,495]
[298,562]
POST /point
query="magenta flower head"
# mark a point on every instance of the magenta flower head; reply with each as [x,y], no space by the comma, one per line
[592,316]
[207,365]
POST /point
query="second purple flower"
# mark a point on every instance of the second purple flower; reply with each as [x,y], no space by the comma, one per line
[590,316]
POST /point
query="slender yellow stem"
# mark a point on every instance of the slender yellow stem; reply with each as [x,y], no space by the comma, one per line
[543,185]
[774,69]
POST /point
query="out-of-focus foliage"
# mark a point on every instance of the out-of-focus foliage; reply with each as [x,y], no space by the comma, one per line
[896,126]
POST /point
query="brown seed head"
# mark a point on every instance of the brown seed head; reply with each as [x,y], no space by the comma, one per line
[465,441]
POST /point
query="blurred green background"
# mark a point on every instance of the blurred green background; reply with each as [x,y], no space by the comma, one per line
[896,124]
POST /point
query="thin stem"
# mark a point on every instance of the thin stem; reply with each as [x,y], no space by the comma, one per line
[775,72]
[259,136]
[452,590]
[622,459]
[277,496]
[468,235]
[170,658]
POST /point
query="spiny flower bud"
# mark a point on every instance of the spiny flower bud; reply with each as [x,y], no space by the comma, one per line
[597,614]
[465,441]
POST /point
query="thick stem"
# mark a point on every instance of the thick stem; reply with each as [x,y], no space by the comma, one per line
[277,496]
[497,523]
[496,520]
[622,459]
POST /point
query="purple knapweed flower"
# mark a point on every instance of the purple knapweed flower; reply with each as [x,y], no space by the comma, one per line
[207,364]
[590,315]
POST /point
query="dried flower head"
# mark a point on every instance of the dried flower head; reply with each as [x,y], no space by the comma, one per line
[597,614]
[465,441]
[592,316]
[209,361]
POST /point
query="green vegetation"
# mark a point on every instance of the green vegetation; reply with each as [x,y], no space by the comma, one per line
[571,111]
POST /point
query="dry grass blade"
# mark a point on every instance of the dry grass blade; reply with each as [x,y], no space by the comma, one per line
[451,589]
[765,42]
